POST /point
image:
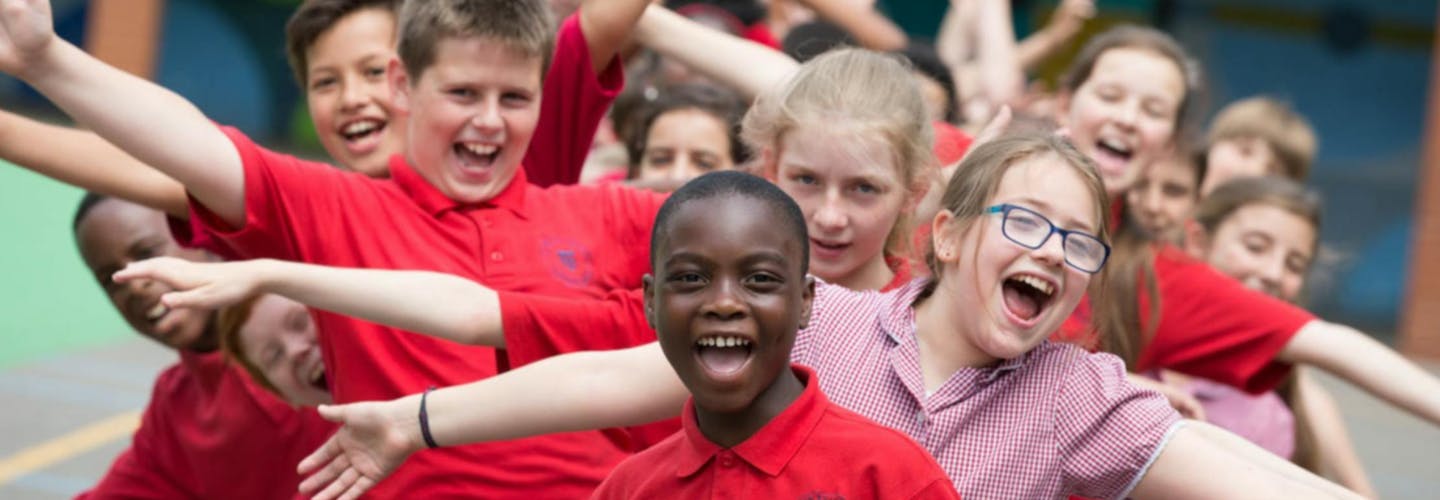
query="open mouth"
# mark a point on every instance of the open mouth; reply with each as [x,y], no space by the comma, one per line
[723,356]
[156,312]
[1026,297]
[477,155]
[1113,154]
[363,132]
[317,378]
[825,249]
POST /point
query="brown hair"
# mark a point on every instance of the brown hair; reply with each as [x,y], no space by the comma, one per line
[1279,192]
[228,322]
[1287,132]
[1136,37]
[724,105]
[858,91]
[314,18]
[525,26]
[978,178]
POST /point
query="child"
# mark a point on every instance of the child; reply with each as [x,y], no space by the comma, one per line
[959,364]
[1256,137]
[727,295]
[470,87]
[1163,196]
[690,129]
[202,411]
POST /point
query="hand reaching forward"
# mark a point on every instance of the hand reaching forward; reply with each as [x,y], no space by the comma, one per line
[197,284]
[26,32]
[374,438]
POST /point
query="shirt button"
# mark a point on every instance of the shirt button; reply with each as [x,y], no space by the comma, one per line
[497,256]
[727,461]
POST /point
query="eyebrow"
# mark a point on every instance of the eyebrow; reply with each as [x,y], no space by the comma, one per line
[1046,206]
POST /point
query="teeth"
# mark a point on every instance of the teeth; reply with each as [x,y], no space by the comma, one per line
[361,127]
[156,312]
[316,374]
[723,342]
[1037,283]
[1116,145]
[482,149]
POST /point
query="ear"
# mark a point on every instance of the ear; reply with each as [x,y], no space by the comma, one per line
[647,284]
[942,242]
[399,85]
[768,166]
[1197,241]
[808,294]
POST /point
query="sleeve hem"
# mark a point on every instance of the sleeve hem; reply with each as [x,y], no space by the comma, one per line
[1154,456]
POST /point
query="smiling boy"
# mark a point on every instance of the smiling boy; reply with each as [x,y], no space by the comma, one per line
[728,294]
[458,202]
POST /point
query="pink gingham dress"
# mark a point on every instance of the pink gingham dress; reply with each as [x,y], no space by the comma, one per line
[1057,421]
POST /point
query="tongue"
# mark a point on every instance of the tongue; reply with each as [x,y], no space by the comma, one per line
[1021,304]
[724,360]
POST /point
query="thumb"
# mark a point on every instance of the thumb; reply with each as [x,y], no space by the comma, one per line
[333,413]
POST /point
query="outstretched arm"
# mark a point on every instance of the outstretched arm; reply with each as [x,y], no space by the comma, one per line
[82,159]
[156,126]
[436,304]
[745,66]
[1337,457]
[607,25]
[1354,356]
[587,390]
[1198,453]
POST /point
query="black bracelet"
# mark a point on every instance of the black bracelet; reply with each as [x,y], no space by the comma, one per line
[425,420]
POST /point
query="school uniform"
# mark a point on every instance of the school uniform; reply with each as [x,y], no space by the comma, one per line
[1057,420]
[1210,326]
[566,241]
[812,449]
[210,432]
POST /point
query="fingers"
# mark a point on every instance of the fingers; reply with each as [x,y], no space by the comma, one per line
[159,268]
[323,455]
[361,486]
[199,298]
[996,127]
[333,413]
[339,487]
[327,476]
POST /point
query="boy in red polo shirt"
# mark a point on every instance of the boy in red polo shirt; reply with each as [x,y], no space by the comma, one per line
[469,78]
[728,294]
[203,411]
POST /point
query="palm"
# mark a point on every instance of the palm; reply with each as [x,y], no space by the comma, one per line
[25,31]
[368,447]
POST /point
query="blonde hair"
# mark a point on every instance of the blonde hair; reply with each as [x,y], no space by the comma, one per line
[1287,132]
[859,91]
[978,178]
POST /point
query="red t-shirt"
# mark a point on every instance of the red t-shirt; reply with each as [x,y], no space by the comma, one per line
[573,102]
[812,449]
[210,432]
[951,143]
[1210,326]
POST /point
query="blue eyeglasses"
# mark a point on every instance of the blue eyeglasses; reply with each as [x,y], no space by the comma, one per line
[1031,230]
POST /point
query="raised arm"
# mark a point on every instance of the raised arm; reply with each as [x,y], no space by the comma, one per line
[82,159]
[1199,453]
[1354,356]
[607,25]
[1064,24]
[435,304]
[156,126]
[869,27]
[579,391]
[745,66]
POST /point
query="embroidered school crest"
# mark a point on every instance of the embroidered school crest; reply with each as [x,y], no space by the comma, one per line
[568,261]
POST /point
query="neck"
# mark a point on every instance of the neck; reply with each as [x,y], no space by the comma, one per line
[943,348]
[731,429]
[873,275]
[209,340]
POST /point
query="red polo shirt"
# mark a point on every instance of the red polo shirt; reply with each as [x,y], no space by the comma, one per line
[573,101]
[210,432]
[812,449]
[1210,325]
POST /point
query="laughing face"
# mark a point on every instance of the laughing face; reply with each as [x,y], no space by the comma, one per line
[279,338]
[1266,247]
[116,233]
[1163,197]
[1123,117]
[727,299]
[348,95]
[472,113]
[849,188]
[1003,298]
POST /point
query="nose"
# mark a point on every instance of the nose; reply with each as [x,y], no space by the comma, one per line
[830,216]
[1051,252]
[1128,115]
[1271,272]
[352,96]
[487,118]
[683,168]
[724,304]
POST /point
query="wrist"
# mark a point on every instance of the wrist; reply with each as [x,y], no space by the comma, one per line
[45,61]
[403,415]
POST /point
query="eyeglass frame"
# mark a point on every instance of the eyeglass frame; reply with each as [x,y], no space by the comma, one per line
[1004,210]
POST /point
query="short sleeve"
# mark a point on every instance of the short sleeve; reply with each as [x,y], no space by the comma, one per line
[1214,327]
[279,190]
[632,214]
[1108,430]
[537,327]
[573,101]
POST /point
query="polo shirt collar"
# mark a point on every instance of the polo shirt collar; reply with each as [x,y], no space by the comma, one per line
[772,447]
[434,202]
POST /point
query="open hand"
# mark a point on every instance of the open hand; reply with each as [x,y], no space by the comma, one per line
[374,438]
[196,284]
[26,32]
